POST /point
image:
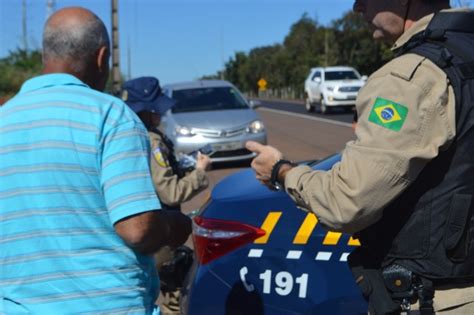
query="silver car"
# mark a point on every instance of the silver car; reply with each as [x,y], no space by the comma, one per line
[212,112]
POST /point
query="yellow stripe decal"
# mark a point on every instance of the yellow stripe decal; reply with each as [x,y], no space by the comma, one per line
[332,238]
[306,229]
[353,242]
[268,226]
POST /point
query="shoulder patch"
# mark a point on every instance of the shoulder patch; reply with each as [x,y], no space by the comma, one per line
[388,114]
[159,158]
[406,66]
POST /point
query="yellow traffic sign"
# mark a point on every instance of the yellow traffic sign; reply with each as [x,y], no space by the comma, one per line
[262,84]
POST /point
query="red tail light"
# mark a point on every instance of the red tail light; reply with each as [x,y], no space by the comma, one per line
[214,238]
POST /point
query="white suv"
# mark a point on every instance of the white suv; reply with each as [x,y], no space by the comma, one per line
[332,86]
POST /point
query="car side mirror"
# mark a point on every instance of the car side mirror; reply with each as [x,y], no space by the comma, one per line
[255,103]
[364,78]
[317,80]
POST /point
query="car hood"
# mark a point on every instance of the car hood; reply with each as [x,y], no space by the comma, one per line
[239,186]
[223,119]
[244,186]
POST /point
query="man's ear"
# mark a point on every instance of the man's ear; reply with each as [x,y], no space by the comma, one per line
[103,59]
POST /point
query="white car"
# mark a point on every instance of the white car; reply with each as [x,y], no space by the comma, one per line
[332,87]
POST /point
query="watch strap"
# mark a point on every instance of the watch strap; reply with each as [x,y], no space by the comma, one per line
[276,170]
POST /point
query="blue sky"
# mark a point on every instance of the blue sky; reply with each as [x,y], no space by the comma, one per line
[177,40]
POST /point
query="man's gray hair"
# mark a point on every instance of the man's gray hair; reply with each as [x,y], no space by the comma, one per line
[78,44]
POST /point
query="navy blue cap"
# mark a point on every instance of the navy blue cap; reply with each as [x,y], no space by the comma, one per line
[144,94]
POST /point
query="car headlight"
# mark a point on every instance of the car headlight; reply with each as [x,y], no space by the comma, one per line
[330,88]
[256,127]
[184,131]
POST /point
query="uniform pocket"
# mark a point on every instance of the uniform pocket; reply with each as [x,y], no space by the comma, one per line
[456,235]
[413,239]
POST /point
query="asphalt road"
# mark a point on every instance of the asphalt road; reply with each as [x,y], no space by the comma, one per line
[299,135]
[297,107]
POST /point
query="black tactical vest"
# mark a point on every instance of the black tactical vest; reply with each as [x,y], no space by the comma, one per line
[429,228]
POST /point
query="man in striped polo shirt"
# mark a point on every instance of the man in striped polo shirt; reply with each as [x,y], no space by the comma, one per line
[77,204]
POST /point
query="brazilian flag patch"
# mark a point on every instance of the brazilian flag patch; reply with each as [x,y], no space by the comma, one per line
[388,114]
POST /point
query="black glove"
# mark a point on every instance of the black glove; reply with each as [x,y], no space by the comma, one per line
[370,281]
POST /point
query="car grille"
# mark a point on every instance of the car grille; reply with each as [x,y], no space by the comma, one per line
[349,89]
[230,153]
[220,133]
[349,98]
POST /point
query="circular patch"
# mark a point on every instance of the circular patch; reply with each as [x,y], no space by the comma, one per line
[124,95]
[387,113]
[159,158]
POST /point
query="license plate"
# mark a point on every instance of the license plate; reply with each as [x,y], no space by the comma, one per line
[226,146]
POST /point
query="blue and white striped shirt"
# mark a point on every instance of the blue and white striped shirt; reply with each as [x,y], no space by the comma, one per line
[73,162]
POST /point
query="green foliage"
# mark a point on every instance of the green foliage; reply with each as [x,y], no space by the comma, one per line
[348,41]
[18,67]
[356,46]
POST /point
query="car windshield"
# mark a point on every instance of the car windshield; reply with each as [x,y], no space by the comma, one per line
[207,98]
[341,75]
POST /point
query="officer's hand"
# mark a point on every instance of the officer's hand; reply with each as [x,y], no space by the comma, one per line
[203,161]
[263,163]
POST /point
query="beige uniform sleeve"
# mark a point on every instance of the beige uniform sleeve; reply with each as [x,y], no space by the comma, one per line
[381,163]
[170,189]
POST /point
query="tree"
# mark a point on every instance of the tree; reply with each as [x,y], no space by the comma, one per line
[355,44]
[348,41]
[16,68]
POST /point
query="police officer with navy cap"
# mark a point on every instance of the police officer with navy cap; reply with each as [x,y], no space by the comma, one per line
[173,185]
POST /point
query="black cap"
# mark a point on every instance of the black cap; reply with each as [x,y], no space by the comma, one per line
[145,94]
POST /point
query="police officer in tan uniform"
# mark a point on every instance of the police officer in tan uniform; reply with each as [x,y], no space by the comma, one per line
[406,141]
[173,185]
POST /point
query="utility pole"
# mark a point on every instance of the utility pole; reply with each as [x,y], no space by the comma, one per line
[25,30]
[50,8]
[129,60]
[222,74]
[326,48]
[115,50]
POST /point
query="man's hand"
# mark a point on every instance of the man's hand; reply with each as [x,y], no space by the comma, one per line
[263,163]
[203,161]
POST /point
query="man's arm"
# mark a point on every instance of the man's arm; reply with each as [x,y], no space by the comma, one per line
[406,117]
[149,231]
[128,190]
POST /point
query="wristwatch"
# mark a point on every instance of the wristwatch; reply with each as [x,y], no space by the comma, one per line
[275,171]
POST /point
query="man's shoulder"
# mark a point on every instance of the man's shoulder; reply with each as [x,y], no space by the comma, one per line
[404,67]
[411,68]
[103,97]
[115,110]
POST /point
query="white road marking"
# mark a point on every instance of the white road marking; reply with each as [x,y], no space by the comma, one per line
[294,254]
[283,112]
[256,253]
[344,257]
[323,256]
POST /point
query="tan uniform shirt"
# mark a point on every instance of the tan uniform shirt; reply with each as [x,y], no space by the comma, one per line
[173,190]
[381,163]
